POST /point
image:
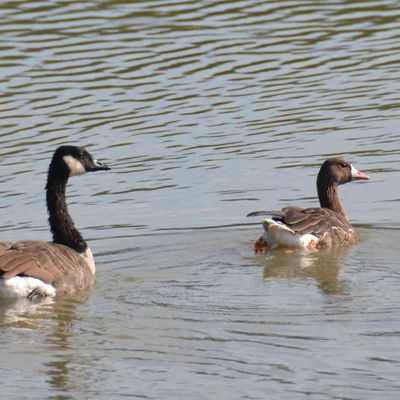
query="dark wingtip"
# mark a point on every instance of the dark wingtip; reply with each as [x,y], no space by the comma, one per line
[257,213]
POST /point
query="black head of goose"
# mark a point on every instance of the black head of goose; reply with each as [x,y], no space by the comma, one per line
[35,269]
[326,226]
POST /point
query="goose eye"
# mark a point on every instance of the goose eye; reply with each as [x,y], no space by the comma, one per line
[344,165]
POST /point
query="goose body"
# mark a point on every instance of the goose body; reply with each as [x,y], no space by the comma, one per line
[311,228]
[32,268]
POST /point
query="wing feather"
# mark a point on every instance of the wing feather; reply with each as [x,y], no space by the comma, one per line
[54,264]
[332,228]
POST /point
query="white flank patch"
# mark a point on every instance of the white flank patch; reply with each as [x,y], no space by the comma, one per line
[88,256]
[20,287]
[278,234]
[74,165]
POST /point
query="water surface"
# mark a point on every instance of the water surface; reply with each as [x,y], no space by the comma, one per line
[206,110]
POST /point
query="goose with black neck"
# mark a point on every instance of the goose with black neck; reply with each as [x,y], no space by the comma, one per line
[36,269]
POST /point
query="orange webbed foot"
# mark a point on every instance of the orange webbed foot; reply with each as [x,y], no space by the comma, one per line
[312,245]
[260,246]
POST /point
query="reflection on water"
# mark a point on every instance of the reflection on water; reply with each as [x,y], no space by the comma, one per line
[53,320]
[58,341]
[193,304]
[323,266]
[24,313]
[206,110]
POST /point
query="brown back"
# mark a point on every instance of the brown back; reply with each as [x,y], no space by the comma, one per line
[332,228]
[55,264]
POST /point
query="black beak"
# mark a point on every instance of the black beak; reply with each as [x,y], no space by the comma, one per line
[98,166]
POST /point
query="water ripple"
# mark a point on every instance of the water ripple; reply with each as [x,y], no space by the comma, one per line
[204,110]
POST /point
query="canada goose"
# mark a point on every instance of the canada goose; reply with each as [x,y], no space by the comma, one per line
[35,269]
[313,228]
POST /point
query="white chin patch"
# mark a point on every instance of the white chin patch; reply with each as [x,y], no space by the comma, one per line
[74,165]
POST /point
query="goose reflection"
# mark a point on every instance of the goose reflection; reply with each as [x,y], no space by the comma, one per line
[55,318]
[322,266]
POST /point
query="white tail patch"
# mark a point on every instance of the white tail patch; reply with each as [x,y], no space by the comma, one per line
[21,286]
[74,165]
[278,234]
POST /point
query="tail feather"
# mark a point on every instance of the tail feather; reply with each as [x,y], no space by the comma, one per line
[278,234]
[257,213]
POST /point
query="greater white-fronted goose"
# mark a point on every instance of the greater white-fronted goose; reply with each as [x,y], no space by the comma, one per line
[313,228]
[35,269]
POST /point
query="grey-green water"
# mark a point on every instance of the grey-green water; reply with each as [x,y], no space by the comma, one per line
[206,110]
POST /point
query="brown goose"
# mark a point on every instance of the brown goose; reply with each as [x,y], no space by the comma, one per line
[35,269]
[312,228]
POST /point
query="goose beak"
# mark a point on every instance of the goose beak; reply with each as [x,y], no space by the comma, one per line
[98,166]
[357,175]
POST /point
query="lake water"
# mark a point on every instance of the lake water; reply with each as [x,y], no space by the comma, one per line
[206,110]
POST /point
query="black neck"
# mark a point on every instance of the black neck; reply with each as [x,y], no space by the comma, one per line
[61,224]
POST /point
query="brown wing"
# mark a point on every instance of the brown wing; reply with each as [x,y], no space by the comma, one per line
[55,264]
[332,228]
[313,220]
